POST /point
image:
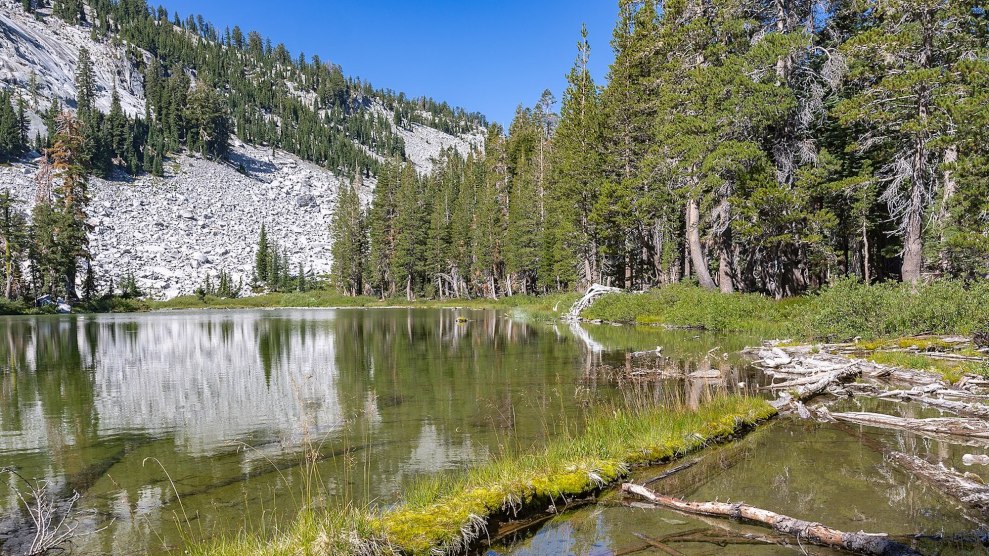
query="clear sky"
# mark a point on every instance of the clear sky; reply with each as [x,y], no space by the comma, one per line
[483,55]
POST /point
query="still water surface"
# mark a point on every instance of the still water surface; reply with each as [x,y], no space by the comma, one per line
[183,425]
[219,408]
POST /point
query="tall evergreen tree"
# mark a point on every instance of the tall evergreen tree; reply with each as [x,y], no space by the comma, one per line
[350,237]
[904,68]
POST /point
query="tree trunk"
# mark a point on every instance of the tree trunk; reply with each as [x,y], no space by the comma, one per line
[865,254]
[913,243]
[725,272]
[947,192]
[70,285]
[697,259]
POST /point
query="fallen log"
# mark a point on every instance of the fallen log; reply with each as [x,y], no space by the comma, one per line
[807,391]
[975,428]
[805,381]
[859,543]
[951,483]
[961,408]
[970,492]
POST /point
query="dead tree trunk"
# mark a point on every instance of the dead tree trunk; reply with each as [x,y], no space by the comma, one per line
[594,292]
[697,259]
[975,428]
[952,483]
[858,543]
[970,492]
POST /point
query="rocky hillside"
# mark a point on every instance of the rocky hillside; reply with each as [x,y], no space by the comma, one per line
[203,216]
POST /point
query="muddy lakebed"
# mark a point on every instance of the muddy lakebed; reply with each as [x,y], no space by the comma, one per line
[185,425]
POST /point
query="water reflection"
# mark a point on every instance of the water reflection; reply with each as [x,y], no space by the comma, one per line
[218,408]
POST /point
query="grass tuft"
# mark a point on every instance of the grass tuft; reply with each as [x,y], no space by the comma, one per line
[434,514]
[448,512]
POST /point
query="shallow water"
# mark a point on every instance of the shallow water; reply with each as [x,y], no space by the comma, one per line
[189,424]
[808,470]
[181,426]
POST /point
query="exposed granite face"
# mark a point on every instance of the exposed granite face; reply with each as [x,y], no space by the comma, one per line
[203,217]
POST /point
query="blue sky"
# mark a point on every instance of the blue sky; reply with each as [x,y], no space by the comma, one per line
[487,56]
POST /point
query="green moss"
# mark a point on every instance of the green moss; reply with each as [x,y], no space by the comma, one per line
[435,517]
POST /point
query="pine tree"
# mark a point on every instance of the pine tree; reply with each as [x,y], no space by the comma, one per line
[410,234]
[350,236]
[262,256]
[576,176]
[14,236]
[904,69]
[381,224]
[59,230]
[12,131]
[85,85]
[209,125]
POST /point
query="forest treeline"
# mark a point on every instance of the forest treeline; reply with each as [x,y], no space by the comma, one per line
[259,91]
[202,86]
[750,145]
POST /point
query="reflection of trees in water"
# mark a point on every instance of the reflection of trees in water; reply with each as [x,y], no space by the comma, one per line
[274,338]
[458,386]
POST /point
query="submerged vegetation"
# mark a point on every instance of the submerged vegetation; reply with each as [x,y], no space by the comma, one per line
[449,510]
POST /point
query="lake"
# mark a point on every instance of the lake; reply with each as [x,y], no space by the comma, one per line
[181,425]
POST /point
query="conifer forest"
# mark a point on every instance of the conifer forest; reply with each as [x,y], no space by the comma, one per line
[759,146]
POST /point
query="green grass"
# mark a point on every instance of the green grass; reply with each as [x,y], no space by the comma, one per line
[840,312]
[688,306]
[848,309]
[444,511]
[843,311]
[542,306]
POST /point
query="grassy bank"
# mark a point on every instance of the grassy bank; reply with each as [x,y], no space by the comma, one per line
[546,305]
[843,311]
[448,510]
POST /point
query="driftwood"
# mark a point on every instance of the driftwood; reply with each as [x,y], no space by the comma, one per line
[859,543]
[927,398]
[594,292]
[821,383]
[970,492]
[950,482]
[814,379]
[976,428]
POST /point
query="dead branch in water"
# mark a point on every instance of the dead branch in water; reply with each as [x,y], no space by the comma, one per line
[858,543]
[970,492]
[50,529]
[976,410]
[976,428]
[672,471]
[954,484]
